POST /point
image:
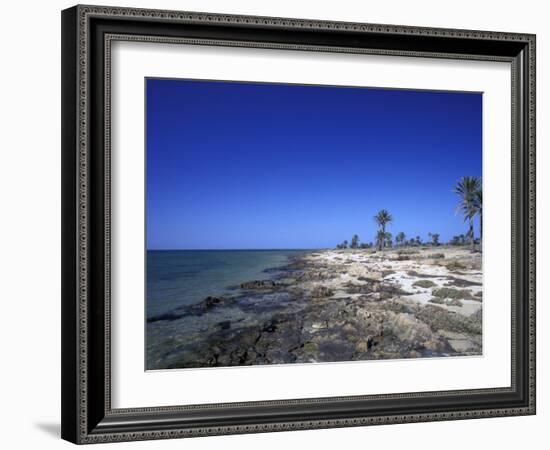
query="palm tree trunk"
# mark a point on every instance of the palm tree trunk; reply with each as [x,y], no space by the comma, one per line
[471,233]
[480,230]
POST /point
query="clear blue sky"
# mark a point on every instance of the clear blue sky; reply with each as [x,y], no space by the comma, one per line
[244,165]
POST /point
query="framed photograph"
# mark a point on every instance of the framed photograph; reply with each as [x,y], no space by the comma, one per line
[277,224]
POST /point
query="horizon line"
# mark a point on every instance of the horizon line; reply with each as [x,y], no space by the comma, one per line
[235,249]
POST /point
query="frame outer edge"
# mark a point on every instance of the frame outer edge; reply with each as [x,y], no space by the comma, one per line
[532,143]
[75,209]
[295,23]
[69,233]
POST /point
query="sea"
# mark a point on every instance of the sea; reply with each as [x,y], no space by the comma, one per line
[178,278]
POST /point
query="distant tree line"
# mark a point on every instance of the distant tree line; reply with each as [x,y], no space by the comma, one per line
[469,189]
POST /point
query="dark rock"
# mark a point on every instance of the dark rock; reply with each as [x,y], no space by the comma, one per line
[225,325]
[352,288]
[369,280]
[460,282]
[197,309]
[321,291]
[210,302]
[414,273]
[317,275]
[259,284]
[167,316]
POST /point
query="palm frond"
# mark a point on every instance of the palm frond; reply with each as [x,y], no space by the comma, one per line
[383,217]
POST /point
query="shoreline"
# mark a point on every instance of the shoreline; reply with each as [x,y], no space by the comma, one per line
[329,306]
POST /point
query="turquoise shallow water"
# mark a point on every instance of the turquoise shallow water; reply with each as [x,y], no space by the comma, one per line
[183,277]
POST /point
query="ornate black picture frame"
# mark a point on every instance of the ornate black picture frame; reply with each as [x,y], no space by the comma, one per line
[87,34]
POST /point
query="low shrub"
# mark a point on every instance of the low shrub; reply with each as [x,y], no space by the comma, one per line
[424,283]
[446,292]
[455,265]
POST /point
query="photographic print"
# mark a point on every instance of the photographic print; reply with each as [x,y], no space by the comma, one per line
[290,223]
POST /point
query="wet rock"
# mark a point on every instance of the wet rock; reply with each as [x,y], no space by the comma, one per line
[225,325]
[259,284]
[210,302]
[170,316]
[193,310]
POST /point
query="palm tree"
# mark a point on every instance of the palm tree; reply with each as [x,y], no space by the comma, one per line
[380,239]
[382,219]
[354,241]
[435,238]
[466,189]
[400,238]
[478,206]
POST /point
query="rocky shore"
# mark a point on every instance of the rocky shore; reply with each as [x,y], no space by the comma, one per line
[333,305]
